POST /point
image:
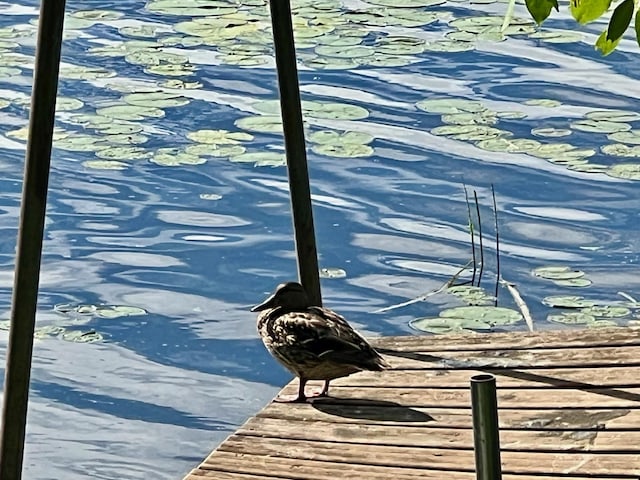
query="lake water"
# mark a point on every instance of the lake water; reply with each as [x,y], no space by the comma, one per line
[194,239]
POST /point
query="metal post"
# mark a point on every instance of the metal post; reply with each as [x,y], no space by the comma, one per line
[295,148]
[29,251]
[486,437]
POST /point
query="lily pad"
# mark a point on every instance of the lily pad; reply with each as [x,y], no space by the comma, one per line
[343,150]
[472,295]
[440,325]
[115,311]
[629,171]
[219,137]
[261,159]
[571,318]
[105,164]
[261,123]
[551,132]
[573,282]
[607,311]
[491,315]
[450,105]
[82,337]
[600,126]
[557,272]
[333,137]
[630,136]
[155,99]
[567,301]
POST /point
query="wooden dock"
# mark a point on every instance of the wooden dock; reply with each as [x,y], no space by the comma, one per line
[569,408]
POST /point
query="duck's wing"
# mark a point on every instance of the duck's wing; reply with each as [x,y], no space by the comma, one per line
[336,341]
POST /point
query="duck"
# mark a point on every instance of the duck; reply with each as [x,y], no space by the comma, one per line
[312,342]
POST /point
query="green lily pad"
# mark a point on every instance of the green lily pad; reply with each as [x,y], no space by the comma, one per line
[123,153]
[213,150]
[82,337]
[115,311]
[469,132]
[156,99]
[451,46]
[130,112]
[325,137]
[491,315]
[472,295]
[602,324]
[66,104]
[557,272]
[481,118]
[617,116]
[571,318]
[261,159]
[343,150]
[621,150]
[261,123]
[567,301]
[630,136]
[607,311]
[81,143]
[450,106]
[551,132]
[219,137]
[573,282]
[440,325]
[600,126]
[543,102]
[629,171]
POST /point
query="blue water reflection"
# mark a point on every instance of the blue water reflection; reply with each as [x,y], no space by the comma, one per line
[164,388]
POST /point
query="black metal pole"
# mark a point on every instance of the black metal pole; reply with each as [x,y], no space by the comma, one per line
[295,148]
[29,252]
[486,436]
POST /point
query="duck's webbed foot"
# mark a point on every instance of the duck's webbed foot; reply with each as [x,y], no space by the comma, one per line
[300,398]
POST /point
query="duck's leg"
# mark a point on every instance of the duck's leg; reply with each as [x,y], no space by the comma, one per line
[301,397]
[325,389]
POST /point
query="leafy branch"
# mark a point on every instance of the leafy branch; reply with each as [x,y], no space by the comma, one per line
[586,11]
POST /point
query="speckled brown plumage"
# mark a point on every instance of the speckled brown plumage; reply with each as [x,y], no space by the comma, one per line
[314,343]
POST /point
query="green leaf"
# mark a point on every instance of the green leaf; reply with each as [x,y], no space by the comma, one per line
[605,46]
[540,9]
[585,11]
[620,20]
[637,27]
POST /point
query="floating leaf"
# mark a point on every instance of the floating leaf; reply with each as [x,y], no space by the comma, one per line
[115,311]
[450,105]
[573,282]
[490,315]
[629,171]
[212,150]
[571,318]
[332,136]
[600,126]
[260,123]
[557,272]
[607,311]
[472,295]
[567,301]
[82,337]
[621,150]
[343,150]
[219,137]
[542,102]
[122,153]
[617,116]
[441,325]
[155,99]
[130,112]
[261,159]
[630,136]
[551,132]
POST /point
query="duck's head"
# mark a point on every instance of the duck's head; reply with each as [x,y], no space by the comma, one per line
[290,295]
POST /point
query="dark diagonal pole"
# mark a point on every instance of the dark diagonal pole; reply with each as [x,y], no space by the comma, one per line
[295,148]
[29,252]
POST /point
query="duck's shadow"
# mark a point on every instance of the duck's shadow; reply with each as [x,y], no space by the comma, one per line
[374,410]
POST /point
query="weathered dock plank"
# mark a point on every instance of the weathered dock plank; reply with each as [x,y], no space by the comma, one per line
[569,408]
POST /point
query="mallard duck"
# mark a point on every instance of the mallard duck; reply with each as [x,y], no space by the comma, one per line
[314,343]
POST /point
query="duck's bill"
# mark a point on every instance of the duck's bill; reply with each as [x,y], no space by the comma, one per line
[268,303]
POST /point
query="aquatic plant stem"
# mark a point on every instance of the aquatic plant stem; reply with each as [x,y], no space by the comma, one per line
[31,229]
[480,245]
[295,148]
[495,218]
[471,232]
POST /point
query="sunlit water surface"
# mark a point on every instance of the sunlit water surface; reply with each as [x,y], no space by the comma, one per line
[162,389]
